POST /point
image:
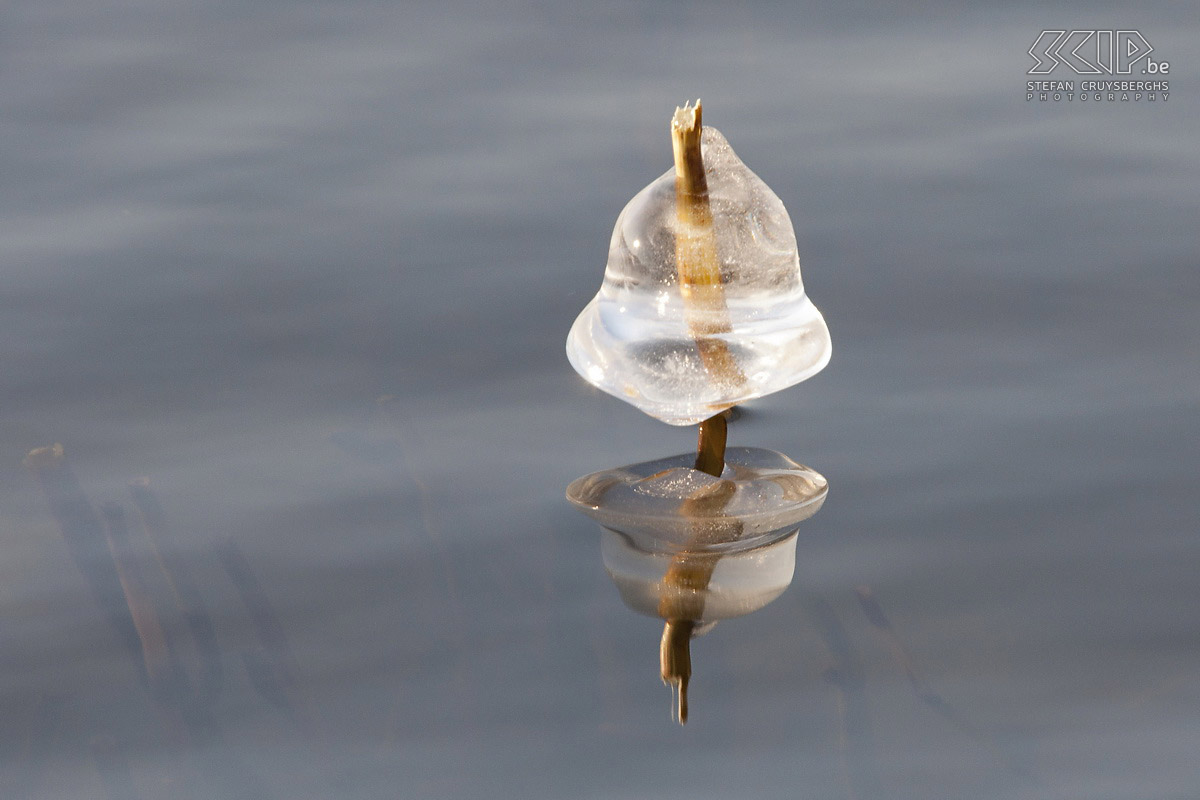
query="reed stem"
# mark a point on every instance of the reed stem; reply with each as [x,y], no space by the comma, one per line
[707,317]
[696,261]
[710,449]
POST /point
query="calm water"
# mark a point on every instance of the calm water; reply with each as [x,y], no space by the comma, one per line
[228,230]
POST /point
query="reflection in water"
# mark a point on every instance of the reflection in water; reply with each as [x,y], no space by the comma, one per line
[924,693]
[113,766]
[679,544]
[183,591]
[85,537]
[701,587]
[271,667]
[701,260]
[694,548]
[149,596]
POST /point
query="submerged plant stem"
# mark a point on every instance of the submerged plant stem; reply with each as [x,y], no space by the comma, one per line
[690,571]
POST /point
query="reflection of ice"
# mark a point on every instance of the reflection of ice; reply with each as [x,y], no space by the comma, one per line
[637,338]
[667,506]
[693,548]
[682,544]
[742,581]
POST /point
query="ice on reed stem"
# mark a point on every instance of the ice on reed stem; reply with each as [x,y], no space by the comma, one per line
[643,336]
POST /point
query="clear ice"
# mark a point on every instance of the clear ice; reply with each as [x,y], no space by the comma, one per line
[636,339]
[666,523]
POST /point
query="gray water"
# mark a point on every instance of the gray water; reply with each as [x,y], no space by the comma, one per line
[228,230]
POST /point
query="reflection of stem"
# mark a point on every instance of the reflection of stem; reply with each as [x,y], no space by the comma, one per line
[681,601]
[188,722]
[156,651]
[879,620]
[854,737]
[275,675]
[188,600]
[675,660]
[85,538]
[189,715]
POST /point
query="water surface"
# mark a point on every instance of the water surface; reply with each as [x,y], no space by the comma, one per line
[228,231]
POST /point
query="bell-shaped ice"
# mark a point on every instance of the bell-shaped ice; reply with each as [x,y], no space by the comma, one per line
[649,336]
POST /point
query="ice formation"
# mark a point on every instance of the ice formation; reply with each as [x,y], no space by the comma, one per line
[644,337]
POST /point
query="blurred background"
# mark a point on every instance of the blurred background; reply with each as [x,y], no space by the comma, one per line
[308,267]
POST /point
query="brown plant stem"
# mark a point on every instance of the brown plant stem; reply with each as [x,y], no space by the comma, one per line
[682,601]
[696,260]
[707,317]
[710,449]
